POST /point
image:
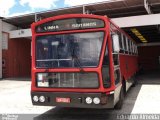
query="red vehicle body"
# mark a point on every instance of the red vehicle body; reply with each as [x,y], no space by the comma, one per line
[81,60]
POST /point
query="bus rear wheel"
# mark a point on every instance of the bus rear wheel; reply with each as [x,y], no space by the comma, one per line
[121,99]
[135,82]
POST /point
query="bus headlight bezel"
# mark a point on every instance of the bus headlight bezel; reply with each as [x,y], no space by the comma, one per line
[35,98]
[88,100]
[42,99]
[96,100]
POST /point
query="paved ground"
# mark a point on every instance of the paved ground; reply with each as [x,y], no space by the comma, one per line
[148,99]
[144,98]
[15,98]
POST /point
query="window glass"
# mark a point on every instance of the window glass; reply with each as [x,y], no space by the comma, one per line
[106,57]
[129,45]
[117,76]
[120,40]
[125,44]
[136,50]
[132,46]
[116,59]
[105,69]
[116,39]
[67,80]
[69,50]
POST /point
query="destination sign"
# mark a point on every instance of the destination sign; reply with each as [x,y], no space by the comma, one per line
[70,24]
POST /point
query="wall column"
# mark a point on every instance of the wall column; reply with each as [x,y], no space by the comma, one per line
[0,48]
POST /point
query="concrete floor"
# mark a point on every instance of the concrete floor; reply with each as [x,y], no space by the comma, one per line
[148,99]
[144,98]
[15,98]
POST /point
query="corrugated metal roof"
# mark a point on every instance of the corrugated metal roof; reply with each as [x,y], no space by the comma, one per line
[150,33]
[113,9]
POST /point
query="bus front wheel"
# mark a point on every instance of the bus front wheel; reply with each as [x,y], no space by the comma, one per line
[121,99]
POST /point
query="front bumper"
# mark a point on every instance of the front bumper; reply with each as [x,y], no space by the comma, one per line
[76,99]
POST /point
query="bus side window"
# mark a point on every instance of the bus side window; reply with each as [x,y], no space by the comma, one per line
[116,39]
[120,42]
[106,57]
[136,50]
[129,46]
[132,47]
[117,76]
[115,59]
[105,69]
[116,49]
[125,45]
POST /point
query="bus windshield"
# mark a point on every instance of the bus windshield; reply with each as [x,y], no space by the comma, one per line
[69,50]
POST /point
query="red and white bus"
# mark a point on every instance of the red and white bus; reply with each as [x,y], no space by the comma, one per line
[81,60]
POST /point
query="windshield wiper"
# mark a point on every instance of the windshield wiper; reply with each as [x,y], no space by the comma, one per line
[76,58]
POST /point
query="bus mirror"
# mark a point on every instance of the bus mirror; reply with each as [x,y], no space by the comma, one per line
[116,47]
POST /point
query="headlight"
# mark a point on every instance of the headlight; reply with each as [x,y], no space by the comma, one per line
[88,100]
[96,100]
[35,98]
[42,99]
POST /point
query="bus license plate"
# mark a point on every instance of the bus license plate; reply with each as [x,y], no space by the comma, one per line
[63,100]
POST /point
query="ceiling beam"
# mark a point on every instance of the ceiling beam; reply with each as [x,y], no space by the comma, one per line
[38,17]
[135,21]
[86,10]
[148,44]
[147,7]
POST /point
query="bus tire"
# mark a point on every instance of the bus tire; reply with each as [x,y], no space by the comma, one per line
[119,104]
[134,81]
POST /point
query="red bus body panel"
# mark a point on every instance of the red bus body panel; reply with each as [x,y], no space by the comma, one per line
[98,69]
[128,65]
[132,60]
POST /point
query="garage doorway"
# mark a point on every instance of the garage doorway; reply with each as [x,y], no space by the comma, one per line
[17,58]
[149,58]
[159,63]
